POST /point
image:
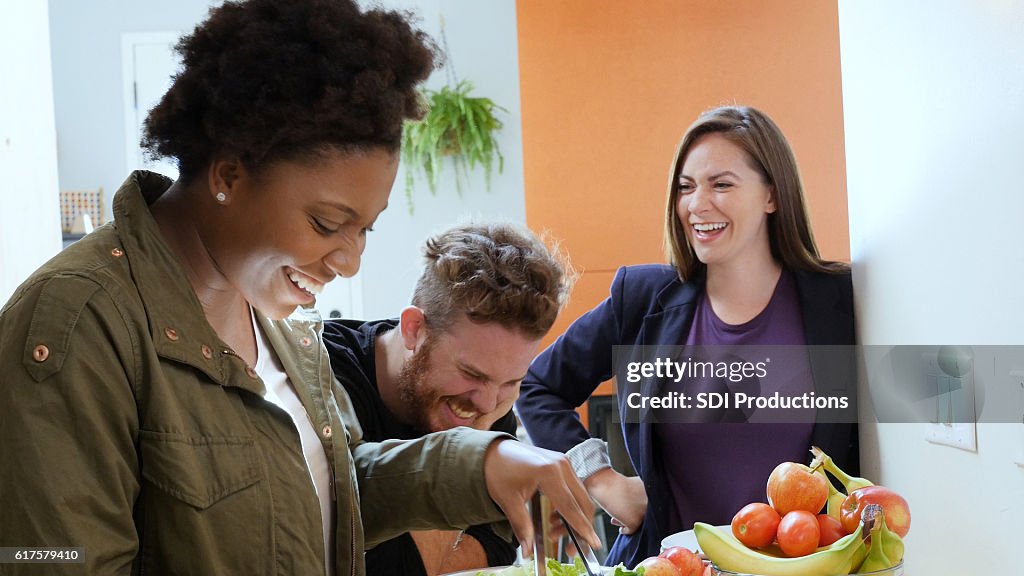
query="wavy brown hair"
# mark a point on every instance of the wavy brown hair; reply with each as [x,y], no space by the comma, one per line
[495,272]
[768,152]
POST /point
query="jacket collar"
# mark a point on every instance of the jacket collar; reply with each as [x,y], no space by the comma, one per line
[675,308]
[819,294]
[177,322]
[820,300]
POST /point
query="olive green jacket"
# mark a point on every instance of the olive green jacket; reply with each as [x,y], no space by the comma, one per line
[128,429]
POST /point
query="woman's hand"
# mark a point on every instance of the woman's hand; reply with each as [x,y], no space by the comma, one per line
[623,497]
[514,472]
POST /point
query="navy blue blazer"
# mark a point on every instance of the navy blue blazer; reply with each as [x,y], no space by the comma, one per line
[650,305]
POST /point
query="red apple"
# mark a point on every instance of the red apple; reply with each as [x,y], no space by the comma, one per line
[688,563]
[793,486]
[897,511]
[656,566]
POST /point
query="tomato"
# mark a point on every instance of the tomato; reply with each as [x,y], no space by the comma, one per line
[688,563]
[831,530]
[755,525]
[798,533]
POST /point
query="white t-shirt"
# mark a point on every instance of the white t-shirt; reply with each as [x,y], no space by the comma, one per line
[281,393]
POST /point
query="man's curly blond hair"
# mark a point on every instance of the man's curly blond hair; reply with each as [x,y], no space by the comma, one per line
[494,272]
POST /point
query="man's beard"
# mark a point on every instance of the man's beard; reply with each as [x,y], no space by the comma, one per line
[418,398]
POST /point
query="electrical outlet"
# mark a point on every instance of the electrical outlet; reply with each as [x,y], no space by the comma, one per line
[1020,448]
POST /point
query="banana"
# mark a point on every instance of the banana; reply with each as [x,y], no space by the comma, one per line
[728,553]
[850,483]
[885,549]
[834,505]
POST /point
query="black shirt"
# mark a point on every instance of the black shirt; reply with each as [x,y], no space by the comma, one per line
[351,345]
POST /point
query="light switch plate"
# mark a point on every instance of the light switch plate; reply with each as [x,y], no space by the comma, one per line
[1020,447]
[1017,376]
[954,424]
[963,435]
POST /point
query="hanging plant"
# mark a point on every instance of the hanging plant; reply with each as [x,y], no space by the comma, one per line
[457,126]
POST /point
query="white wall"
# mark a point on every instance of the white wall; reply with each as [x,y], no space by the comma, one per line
[484,49]
[90,124]
[29,201]
[932,94]
[87,84]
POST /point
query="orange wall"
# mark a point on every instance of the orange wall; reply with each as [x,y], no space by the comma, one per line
[609,87]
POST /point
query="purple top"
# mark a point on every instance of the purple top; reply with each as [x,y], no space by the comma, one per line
[714,469]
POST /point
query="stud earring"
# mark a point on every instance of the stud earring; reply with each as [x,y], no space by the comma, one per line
[221,197]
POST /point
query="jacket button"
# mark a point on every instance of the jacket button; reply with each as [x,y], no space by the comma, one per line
[117,252]
[40,353]
[172,334]
[327,431]
[252,373]
[207,352]
[306,341]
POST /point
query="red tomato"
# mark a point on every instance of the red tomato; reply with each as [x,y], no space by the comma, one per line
[798,533]
[755,525]
[688,563]
[831,530]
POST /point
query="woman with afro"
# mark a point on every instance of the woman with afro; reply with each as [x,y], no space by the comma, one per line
[167,409]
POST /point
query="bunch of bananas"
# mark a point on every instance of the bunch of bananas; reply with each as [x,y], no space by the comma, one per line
[871,547]
[728,553]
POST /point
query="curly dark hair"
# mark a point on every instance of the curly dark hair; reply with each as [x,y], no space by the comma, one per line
[495,272]
[267,80]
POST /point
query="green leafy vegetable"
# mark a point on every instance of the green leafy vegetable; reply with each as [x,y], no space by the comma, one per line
[556,568]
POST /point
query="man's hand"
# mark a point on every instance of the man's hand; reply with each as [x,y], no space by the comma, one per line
[623,497]
[514,472]
[486,421]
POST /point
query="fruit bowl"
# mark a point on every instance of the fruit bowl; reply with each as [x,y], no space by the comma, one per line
[687,539]
[896,570]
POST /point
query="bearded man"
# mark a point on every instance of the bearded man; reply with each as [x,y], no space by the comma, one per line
[455,357]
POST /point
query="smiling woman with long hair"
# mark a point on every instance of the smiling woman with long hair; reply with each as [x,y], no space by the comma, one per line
[744,270]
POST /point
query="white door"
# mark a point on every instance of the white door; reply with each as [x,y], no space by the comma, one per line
[148,62]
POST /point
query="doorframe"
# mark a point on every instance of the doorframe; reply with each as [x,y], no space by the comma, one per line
[129,101]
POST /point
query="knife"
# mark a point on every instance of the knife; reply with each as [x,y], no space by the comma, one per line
[539,562]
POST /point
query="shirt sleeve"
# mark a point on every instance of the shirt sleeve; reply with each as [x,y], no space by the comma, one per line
[433,482]
[67,435]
